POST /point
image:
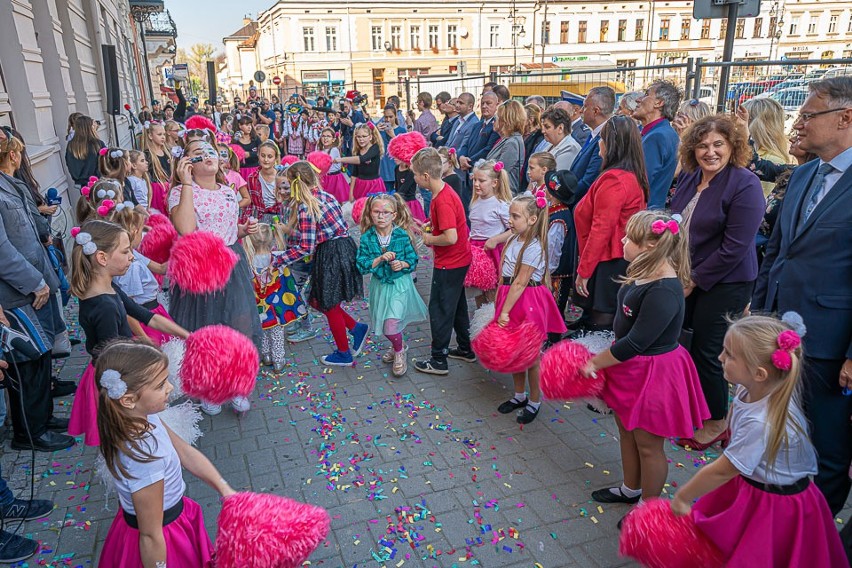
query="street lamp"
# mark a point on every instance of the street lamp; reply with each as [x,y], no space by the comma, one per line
[776,32]
[517,32]
[142,10]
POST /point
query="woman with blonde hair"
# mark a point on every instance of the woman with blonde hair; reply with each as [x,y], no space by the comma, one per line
[763,119]
[510,122]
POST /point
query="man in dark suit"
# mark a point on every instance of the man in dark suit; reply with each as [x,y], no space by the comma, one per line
[598,108]
[446,104]
[808,270]
[481,142]
[572,103]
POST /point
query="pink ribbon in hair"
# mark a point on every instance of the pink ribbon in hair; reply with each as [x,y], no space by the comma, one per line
[498,167]
[788,341]
[106,206]
[85,190]
[540,199]
[74,232]
[103,151]
[659,227]
[451,151]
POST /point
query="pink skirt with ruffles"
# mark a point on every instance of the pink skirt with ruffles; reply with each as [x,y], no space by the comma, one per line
[416,210]
[660,394]
[336,185]
[160,197]
[246,172]
[496,253]
[365,187]
[757,529]
[157,337]
[187,542]
[84,410]
[536,305]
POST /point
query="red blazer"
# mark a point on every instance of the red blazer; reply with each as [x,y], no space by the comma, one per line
[601,217]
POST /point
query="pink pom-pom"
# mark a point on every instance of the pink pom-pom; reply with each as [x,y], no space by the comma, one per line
[320,160]
[220,363]
[85,191]
[482,273]
[789,340]
[498,167]
[158,240]
[782,360]
[94,179]
[200,263]
[358,209]
[200,121]
[74,232]
[268,531]
[404,146]
[289,160]
[239,152]
[157,219]
[656,538]
[510,349]
[101,152]
[560,373]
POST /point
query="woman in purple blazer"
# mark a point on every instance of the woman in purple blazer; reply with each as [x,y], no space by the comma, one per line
[722,206]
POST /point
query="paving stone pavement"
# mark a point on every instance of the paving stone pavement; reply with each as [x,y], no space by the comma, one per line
[417,459]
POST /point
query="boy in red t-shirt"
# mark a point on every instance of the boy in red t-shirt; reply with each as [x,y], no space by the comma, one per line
[450,239]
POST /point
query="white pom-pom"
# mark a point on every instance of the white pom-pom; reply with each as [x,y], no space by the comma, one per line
[83,238]
[183,420]
[481,317]
[794,320]
[90,248]
[101,193]
[174,350]
[596,341]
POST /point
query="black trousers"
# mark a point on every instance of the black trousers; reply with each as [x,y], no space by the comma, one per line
[828,412]
[448,311]
[33,379]
[705,315]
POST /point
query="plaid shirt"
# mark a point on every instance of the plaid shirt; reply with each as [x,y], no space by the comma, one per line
[257,208]
[310,233]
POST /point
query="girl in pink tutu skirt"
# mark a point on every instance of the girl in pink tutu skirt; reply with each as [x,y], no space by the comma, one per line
[524,293]
[367,150]
[652,385]
[334,182]
[157,524]
[756,502]
[489,220]
[101,252]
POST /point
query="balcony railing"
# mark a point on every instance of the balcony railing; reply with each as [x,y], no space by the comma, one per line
[161,25]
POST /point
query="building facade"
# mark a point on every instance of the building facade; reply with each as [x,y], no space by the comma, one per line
[329,46]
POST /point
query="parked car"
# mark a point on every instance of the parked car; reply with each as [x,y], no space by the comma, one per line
[814,74]
[797,82]
[837,72]
[791,99]
[707,95]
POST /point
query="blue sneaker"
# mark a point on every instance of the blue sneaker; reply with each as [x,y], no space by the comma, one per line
[359,338]
[338,359]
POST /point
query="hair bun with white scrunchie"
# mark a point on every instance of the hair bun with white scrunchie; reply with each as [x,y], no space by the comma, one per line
[111,380]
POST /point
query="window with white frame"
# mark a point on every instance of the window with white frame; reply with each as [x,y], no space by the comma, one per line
[794,25]
[308,35]
[414,36]
[396,37]
[832,24]
[812,25]
[330,38]
[376,38]
[434,30]
[494,37]
[452,36]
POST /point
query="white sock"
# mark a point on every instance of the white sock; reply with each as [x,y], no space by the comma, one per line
[626,491]
[534,405]
[520,396]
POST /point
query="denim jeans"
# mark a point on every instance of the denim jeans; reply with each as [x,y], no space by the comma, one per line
[6,495]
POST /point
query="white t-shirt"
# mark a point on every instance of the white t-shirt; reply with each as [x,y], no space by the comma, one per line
[138,282]
[749,438]
[267,189]
[488,218]
[532,257]
[334,153]
[167,468]
[140,190]
[555,240]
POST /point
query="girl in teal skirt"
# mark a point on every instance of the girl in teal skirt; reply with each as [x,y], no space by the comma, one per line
[387,253]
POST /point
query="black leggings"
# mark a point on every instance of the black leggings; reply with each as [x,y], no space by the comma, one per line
[705,315]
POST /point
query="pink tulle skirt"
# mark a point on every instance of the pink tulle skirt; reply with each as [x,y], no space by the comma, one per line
[365,187]
[660,394]
[187,542]
[84,410]
[246,172]
[336,185]
[757,529]
[159,197]
[496,253]
[536,305]
[157,337]
[416,210]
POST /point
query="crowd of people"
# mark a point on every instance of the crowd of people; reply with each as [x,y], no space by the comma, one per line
[679,231]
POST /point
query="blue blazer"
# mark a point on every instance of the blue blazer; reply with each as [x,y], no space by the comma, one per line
[810,271]
[444,131]
[464,135]
[580,132]
[587,166]
[660,147]
[482,141]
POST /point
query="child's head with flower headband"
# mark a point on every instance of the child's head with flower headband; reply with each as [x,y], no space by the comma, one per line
[98,198]
[653,240]
[490,179]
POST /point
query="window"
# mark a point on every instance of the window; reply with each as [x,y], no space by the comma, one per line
[705,29]
[723,33]
[396,37]
[452,36]
[640,30]
[685,25]
[794,25]
[494,38]
[758,26]
[581,33]
[604,35]
[376,36]
[330,39]
[832,24]
[740,28]
[812,25]
[414,37]
[664,29]
[849,30]
[773,23]
[563,32]
[433,37]
[622,30]
[308,35]
[545,32]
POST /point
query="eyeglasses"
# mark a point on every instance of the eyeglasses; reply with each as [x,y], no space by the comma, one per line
[383,214]
[807,116]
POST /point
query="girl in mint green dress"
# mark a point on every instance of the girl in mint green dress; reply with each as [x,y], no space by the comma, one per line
[387,253]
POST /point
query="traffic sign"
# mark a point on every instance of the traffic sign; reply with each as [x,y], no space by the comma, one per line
[718,9]
[259,76]
[276,80]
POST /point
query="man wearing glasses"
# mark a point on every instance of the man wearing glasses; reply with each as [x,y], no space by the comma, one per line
[808,269]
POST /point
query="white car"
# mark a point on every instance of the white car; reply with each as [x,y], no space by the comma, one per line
[791,99]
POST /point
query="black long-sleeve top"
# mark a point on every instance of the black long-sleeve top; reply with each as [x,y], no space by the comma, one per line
[104,318]
[405,185]
[82,170]
[180,111]
[648,319]
[368,168]
[453,181]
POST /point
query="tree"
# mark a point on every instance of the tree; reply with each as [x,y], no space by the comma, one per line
[196,59]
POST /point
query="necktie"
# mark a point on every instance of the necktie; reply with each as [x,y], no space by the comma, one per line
[587,143]
[814,194]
